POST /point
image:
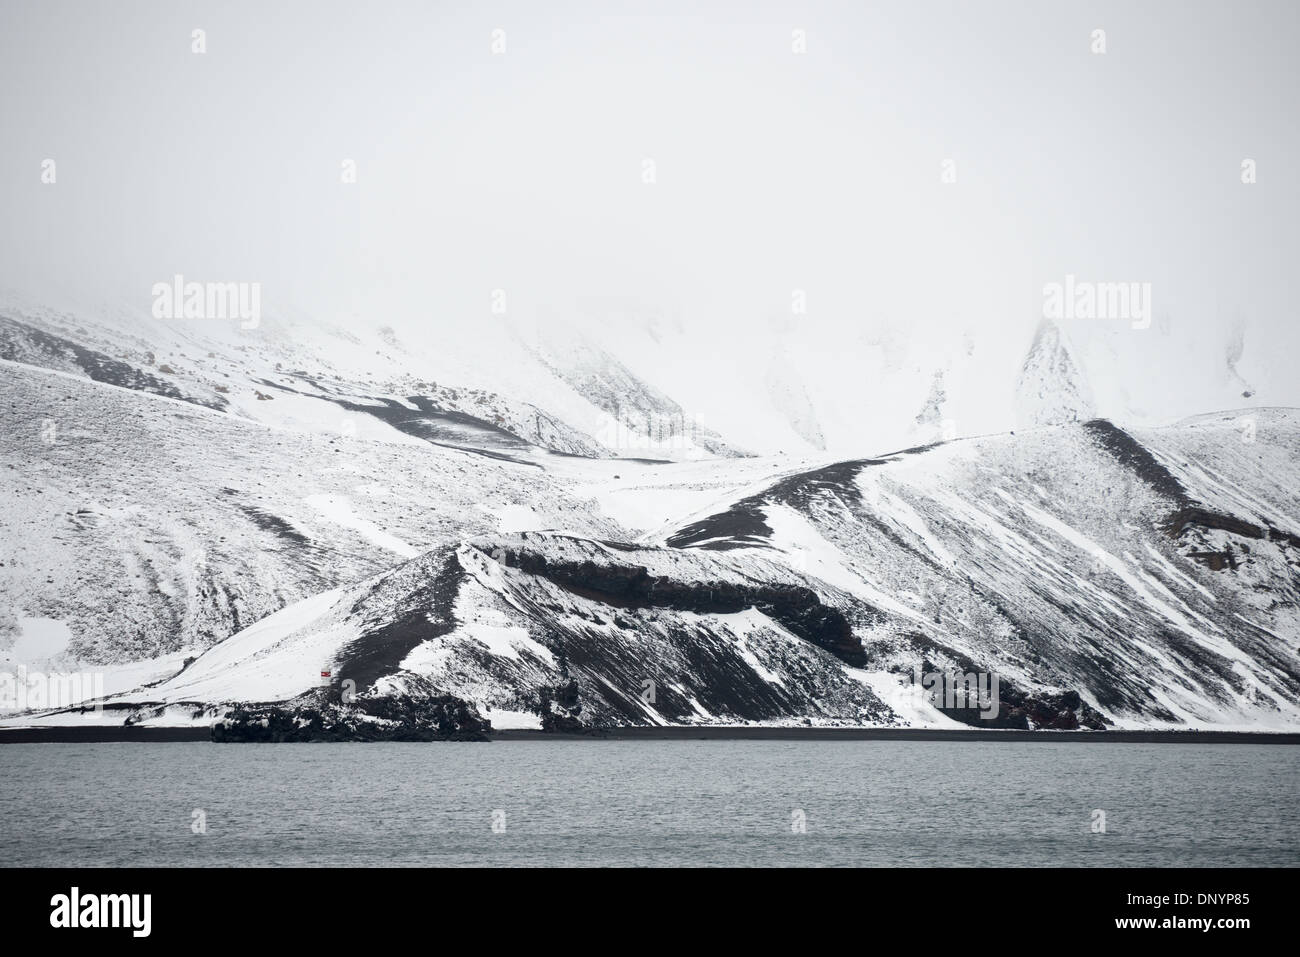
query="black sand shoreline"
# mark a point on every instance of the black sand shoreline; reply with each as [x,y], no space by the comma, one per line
[72,734]
[908,734]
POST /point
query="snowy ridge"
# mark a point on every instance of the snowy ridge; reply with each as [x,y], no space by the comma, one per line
[1043,558]
[150,525]
[213,521]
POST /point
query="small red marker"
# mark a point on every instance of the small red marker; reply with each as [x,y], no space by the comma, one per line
[324,674]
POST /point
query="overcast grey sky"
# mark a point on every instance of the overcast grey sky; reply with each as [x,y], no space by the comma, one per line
[774,170]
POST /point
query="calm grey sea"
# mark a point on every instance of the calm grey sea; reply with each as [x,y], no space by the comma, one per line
[650,803]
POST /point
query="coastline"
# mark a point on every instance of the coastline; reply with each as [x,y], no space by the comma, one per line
[747,733]
[71,734]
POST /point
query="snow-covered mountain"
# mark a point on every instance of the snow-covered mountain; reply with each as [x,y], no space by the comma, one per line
[1051,388]
[213,518]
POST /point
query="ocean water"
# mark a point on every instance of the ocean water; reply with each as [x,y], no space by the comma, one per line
[664,803]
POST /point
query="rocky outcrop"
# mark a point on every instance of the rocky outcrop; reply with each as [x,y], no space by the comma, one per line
[395,718]
[796,607]
[1190,520]
[20,342]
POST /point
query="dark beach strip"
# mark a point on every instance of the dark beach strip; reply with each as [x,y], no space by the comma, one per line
[71,734]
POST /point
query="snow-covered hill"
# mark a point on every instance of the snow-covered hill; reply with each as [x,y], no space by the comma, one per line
[211,519]
[1108,579]
[148,525]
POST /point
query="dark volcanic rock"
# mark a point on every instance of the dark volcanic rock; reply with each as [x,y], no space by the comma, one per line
[796,607]
[20,342]
[401,718]
[560,709]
